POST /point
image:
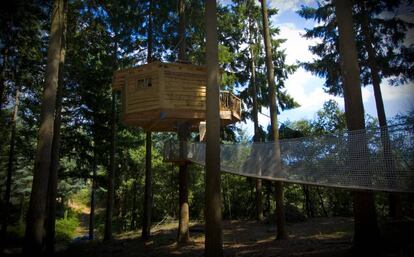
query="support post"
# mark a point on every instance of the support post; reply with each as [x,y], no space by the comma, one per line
[184,215]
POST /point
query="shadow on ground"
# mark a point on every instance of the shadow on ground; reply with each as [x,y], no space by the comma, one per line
[316,237]
[320,237]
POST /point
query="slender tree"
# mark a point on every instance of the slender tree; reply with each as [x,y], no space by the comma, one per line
[183,133]
[36,213]
[366,233]
[111,173]
[93,185]
[3,75]
[256,137]
[10,166]
[112,158]
[280,209]
[213,226]
[394,198]
[146,224]
[54,167]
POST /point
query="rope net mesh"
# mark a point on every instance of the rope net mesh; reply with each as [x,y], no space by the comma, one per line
[379,159]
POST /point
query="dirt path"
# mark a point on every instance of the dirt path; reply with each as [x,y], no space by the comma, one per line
[84,212]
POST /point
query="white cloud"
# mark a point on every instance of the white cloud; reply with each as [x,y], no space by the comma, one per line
[390,93]
[307,90]
[296,47]
[367,94]
[397,100]
[304,87]
[291,5]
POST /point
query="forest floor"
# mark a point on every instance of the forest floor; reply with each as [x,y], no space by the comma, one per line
[318,237]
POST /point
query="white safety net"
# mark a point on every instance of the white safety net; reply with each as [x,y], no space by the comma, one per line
[381,159]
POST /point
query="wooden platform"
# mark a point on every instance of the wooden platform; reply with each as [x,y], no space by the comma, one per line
[159,96]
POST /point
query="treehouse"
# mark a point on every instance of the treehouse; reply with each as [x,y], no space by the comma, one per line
[160,96]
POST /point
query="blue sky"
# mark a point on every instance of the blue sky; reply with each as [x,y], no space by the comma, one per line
[306,88]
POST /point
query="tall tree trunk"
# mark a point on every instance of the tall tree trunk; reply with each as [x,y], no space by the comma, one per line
[393,198]
[112,159]
[255,112]
[321,201]
[310,210]
[183,133]
[21,209]
[280,208]
[134,206]
[150,36]
[3,76]
[146,224]
[183,227]
[36,214]
[10,168]
[213,226]
[366,229]
[54,167]
[93,190]
[111,173]
[181,31]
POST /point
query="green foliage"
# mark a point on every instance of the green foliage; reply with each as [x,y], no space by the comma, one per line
[16,232]
[82,196]
[392,54]
[249,32]
[66,229]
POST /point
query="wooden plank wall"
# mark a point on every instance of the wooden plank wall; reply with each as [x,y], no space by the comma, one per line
[141,99]
[185,88]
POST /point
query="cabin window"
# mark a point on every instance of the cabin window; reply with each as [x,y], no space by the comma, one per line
[143,83]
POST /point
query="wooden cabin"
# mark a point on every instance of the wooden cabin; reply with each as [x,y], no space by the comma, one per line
[159,96]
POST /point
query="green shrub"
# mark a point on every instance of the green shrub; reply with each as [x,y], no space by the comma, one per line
[16,232]
[82,196]
[66,229]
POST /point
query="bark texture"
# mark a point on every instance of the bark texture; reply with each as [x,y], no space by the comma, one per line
[36,213]
[54,167]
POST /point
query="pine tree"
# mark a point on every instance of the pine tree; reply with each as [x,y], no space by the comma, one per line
[387,39]
[381,52]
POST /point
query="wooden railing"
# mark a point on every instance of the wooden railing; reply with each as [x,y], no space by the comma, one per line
[230,102]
